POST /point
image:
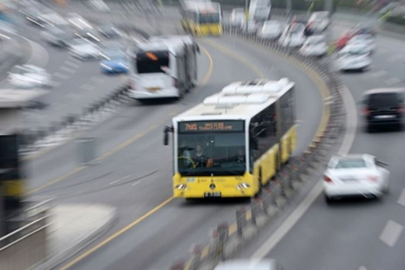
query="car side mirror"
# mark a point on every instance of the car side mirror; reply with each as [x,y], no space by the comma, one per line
[166,134]
[381,164]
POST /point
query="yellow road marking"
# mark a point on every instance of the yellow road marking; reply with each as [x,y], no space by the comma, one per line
[241,59]
[207,76]
[204,252]
[187,266]
[232,229]
[248,214]
[124,144]
[115,235]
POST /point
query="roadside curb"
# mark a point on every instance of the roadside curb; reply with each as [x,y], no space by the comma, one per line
[56,260]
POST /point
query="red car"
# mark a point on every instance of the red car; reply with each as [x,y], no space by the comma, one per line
[360,29]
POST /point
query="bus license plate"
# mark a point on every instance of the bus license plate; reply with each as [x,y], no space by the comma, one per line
[212,194]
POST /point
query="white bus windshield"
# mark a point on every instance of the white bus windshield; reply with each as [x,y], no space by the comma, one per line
[152,62]
[211,148]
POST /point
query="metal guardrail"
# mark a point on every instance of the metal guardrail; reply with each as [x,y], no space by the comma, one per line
[33,139]
[288,182]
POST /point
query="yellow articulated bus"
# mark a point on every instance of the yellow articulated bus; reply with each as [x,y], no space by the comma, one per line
[235,141]
[202,19]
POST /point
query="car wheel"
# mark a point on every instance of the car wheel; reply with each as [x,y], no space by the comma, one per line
[369,129]
[328,200]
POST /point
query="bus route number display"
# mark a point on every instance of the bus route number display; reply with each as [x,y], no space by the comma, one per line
[202,126]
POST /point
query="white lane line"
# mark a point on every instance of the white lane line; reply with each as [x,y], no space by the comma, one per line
[97,79]
[56,84]
[136,183]
[73,96]
[362,268]
[379,73]
[113,182]
[391,233]
[401,199]
[61,76]
[392,81]
[67,69]
[125,177]
[395,58]
[275,238]
[87,87]
[70,63]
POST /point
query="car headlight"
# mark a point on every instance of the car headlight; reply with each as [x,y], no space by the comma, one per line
[243,186]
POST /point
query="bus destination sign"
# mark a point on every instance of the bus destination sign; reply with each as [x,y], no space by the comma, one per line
[203,126]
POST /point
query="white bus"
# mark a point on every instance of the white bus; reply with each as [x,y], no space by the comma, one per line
[159,70]
[192,49]
[235,141]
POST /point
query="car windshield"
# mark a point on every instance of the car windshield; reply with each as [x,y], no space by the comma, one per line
[383,99]
[211,148]
[354,52]
[351,164]
[19,70]
[315,41]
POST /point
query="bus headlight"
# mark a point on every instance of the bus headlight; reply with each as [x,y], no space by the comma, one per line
[181,187]
[243,186]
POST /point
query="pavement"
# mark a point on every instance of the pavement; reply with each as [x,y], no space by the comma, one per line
[72,227]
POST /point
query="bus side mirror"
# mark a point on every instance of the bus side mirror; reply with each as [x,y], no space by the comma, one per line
[166,134]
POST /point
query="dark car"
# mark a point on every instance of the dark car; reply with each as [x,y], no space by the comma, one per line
[384,108]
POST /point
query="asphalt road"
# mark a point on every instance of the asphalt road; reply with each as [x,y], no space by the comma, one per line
[137,178]
[77,83]
[356,234]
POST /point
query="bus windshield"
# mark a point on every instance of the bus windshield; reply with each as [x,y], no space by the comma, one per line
[205,18]
[211,150]
[152,62]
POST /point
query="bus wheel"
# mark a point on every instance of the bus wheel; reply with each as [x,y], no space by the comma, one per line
[259,192]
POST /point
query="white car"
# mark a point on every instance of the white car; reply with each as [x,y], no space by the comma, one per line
[84,49]
[241,264]
[250,28]
[237,17]
[53,19]
[355,175]
[55,36]
[354,57]
[366,40]
[270,30]
[314,46]
[29,76]
[293,36]
[319,21]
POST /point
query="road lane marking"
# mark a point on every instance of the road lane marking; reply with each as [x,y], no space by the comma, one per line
[115,235]
[241,59]
[87,87]
[401,199]
[73,96]
[67,69]
[379,73]
[61,76]
[362,268]
[392,81]
[97,79]
[207,76]
[391,233]
[136,183]
[395,58]
[72,64]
